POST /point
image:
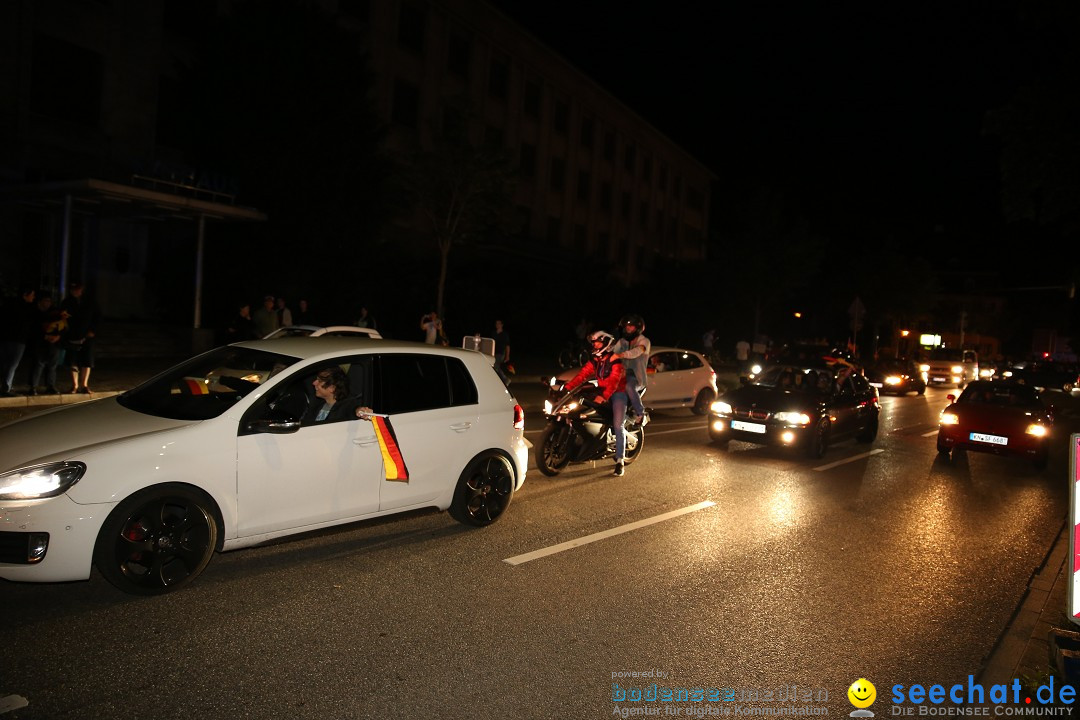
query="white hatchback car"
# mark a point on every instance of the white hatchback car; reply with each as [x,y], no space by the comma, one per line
[319,331]
[221,452]
[677,379]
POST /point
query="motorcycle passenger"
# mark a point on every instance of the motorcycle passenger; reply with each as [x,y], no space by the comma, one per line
[633,349]
[611,377]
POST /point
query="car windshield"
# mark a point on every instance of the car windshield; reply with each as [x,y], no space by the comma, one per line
[1001,394]
[947,354]
[795,378]
[207,385]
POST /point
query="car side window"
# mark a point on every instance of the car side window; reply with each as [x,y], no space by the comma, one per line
[408,383]
[663,362]
[688,361]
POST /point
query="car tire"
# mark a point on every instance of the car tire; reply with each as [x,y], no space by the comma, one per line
[553,450]
[639,434]
[1041,459]
[942,448]
[869,433]
[818,440]
[702,402]
[922,390]
[484,490]
[158,540]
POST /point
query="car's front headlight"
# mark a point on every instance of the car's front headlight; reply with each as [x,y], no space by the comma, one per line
[40,481]
[924,368]
[795,418]
[893,380]
[950,418]
[1038,430]
[720,408]
[957,369]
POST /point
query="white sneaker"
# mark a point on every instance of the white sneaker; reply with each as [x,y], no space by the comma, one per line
[618,470]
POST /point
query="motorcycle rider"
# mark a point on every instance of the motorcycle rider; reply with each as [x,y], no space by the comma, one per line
[633,349]
[611,377]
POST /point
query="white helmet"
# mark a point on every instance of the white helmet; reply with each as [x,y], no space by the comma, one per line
[601,337]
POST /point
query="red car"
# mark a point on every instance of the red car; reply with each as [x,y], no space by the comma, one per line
[1003,418]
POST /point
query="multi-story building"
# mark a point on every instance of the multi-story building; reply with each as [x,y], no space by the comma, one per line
[90,189]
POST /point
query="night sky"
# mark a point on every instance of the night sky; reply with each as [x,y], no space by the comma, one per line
[865,109]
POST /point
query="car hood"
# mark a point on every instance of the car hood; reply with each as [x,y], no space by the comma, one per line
[771,399]
[63,432]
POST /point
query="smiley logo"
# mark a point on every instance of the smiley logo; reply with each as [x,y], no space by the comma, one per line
[862,693]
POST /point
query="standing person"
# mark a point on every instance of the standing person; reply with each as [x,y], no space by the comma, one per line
[610,374]
[708,340]
[432,327]
[502,344]
[284,314]
[243,327]
[82,324]
[265,318]
[633,349]
[16,326]
[50,324]
[302,316]
[365,320]
[742,355]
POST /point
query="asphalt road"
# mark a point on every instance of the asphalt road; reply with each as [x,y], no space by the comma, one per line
[894,566]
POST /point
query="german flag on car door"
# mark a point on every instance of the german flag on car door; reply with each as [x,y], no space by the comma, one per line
[391,453]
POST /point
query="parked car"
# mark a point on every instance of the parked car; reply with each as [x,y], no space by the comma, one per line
[1044,375]
[805,405]
[1004,418]
[950,366]
[896,376]
[147,485]
[677,379]
[319,331]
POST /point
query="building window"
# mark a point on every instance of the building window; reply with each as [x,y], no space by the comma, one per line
[558,174]
[587,132]
[554,230]
[562,117]
[605,196]
[411,23]
[453,124]
[584,185]
[499,79]
[534,94]
[527,160]
[609,146]
[581,240]
[626,206]
[662,180]
[646,168]
[643,214]
[695,198]
[629,158]
[66,81]
[678,186]
[603,242]
[406,104]
[459,56]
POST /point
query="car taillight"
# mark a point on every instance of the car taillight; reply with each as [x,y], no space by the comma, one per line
[519,418]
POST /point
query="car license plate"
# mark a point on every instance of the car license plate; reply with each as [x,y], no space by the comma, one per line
[992,439]
[747,427]
[878,385]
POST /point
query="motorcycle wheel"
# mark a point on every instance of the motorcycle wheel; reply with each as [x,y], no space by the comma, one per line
[554,454]
[638,435]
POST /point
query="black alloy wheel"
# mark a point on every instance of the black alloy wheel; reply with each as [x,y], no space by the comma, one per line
[818,440]
[484,490]
[157,540]
[555,447]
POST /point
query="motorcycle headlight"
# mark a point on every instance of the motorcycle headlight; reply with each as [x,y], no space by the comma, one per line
[720,408]
[40,481]
[795,418]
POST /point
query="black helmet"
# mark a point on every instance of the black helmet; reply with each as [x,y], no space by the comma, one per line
[638,323]
[602,337]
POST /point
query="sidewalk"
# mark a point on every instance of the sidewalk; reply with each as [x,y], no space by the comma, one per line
[112,376]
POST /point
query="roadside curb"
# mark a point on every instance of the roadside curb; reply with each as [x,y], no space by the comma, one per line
[1023,649]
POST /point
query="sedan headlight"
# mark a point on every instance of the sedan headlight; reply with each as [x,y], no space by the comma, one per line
[795,418]
[894,380]
[755,369]
[720,408]
[1038,430]
[40,481]
[949,418]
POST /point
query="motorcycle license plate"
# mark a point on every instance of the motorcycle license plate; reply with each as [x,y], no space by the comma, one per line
[747,427]
[992,439]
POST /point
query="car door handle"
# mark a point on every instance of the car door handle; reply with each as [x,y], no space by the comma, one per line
[365,441]
[461,427]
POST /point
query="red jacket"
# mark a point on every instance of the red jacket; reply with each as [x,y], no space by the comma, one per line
[609,372]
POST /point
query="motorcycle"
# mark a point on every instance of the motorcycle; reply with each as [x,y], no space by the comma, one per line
[578,431]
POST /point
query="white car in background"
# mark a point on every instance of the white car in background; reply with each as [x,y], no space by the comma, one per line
[318,331]
[677,379]
[220,453]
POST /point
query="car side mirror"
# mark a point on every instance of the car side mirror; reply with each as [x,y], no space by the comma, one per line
[274,427]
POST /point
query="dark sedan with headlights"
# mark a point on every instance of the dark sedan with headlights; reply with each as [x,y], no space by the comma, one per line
[797,405]
[896,376]
[1003,418]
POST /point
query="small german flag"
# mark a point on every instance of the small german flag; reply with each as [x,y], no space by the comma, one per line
[391,453]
